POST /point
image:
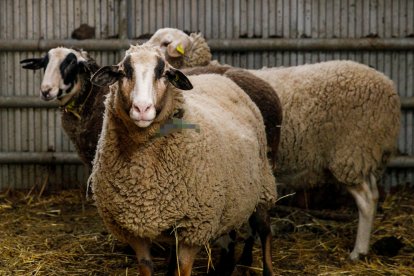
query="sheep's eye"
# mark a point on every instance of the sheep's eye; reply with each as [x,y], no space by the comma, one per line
[165,43]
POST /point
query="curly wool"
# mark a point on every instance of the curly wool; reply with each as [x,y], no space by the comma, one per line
[199,54]
[201,183]
[260,92]
[341,118]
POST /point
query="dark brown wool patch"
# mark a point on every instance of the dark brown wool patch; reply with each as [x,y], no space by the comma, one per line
[128,68]
[159,69]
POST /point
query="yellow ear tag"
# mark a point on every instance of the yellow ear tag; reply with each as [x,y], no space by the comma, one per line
[180,49]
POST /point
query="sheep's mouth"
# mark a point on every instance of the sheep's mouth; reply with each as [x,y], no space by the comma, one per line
[47,98]
[143,123]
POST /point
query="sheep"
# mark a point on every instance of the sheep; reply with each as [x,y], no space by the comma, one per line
[341,123]
[67,79]
[181,50]
[199,181]
[344,119]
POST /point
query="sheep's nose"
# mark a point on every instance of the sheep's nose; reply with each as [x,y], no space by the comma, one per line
[142,108]
[45,93]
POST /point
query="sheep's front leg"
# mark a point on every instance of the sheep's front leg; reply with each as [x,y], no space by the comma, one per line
[366,197]
[142,251]
[183,264]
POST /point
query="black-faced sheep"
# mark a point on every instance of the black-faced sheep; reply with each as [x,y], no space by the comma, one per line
[199,181]
[341,122]
[67,79]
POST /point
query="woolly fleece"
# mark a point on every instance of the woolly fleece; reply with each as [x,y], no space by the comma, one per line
[341,118]
[202,184]
[260,92]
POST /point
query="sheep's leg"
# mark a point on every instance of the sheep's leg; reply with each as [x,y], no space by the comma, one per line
[172,261]
[246,258]
[142,251]
[183,264]
[259,223]
[366,197]
[227,260]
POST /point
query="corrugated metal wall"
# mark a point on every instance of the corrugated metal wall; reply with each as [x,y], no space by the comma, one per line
[39,130]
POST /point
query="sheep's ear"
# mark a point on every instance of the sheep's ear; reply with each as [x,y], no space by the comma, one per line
[35,63]
[178,79]
[106,76]
[84,66]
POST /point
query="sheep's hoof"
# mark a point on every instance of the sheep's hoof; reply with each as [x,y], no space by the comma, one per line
[355,256]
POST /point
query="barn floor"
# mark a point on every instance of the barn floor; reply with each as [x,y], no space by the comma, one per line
[61,234]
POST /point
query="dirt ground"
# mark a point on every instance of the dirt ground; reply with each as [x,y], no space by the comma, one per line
[61,234]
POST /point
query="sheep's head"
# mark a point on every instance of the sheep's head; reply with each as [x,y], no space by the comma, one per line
[143,77]
[61,66]
[174,43]
[182,50]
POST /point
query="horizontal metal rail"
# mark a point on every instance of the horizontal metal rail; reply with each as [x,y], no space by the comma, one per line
[407,103]
[400,162]
[240,45]
[36,102]
[26,102]
[39,158]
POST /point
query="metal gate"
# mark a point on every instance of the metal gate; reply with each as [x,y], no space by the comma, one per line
[244,33]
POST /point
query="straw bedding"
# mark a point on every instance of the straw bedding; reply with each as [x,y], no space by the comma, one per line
[61,234]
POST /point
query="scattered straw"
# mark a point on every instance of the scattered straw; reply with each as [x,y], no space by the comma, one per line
[209,260]
[176,249]
[53,235]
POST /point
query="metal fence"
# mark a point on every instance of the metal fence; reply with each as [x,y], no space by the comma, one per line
[245,33]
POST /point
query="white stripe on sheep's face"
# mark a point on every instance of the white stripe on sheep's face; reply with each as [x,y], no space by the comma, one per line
[143,78]
[62,66]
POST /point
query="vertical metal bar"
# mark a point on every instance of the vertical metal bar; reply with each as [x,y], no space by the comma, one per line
[152,17]
[180,18]
[123,20]
[159,15]
[201,15]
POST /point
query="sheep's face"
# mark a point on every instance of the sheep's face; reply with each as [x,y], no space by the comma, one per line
[60,80]
[143,78]
[174,43]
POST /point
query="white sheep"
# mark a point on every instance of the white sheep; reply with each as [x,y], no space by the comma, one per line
[67,79]
[173,164]
[341,123]
[181,50]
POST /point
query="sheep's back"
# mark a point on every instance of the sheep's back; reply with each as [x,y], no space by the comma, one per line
[339,116]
